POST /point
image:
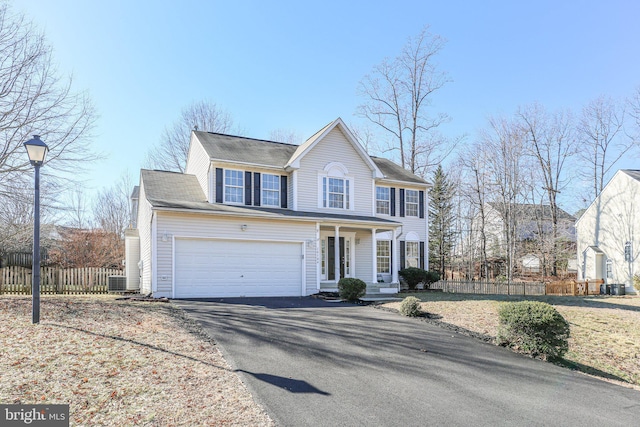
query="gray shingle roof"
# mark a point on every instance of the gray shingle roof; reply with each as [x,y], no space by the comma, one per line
[633,173]
[396,172]
[171,186]
[246,150]
[277,154]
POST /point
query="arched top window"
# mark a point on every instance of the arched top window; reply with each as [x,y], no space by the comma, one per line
[335,187]
[628,255]
[412,236]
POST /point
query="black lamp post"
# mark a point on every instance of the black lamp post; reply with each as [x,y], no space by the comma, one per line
[37,151]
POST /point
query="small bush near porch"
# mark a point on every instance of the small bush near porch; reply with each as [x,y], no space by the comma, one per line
[351,289]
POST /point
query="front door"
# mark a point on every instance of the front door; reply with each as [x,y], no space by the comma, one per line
[331,258]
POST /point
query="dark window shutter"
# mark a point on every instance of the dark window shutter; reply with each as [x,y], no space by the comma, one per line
[393,201]
[422,255]
[402,251]
[283,191]
[219,185]
[247,188]
[256,189]
[421,204]
[402,202]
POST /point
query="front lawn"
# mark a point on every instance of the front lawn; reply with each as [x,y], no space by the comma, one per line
[605,331]
[118,363]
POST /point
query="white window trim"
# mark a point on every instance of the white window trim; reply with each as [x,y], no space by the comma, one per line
[262,190]
[387,257]
[382,200]
[335,170]
[224,187]
[407,203]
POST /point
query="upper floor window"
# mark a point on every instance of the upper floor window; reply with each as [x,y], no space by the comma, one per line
[383,200]
[270,190]
[412,202]
[336,193]
[628,255]
[609,269]
[233,186]
[335,187]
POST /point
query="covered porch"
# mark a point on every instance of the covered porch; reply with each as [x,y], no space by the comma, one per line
[364,251]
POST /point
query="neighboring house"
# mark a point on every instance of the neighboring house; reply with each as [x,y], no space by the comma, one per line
[607,238]
[260,218]
[534,232]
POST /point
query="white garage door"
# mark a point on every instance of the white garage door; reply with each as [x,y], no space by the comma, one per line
[233,268]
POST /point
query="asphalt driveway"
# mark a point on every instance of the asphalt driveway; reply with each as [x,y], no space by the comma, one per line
[316,363]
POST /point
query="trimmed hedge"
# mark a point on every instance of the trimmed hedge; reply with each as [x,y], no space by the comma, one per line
[351,289]
[410,306]
[534,328]
[413,276]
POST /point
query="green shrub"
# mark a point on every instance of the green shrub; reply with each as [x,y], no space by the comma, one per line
[534,328]
[410,306]
[413,276]
[351,289]
[431,277]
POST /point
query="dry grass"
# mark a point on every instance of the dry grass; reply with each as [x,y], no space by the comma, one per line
[118,363]
[605,331]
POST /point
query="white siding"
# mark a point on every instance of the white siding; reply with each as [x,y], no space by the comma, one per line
[334,148]
[612,220]
[198,164]
[144,227]
[175,224]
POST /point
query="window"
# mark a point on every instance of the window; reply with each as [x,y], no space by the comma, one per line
[609,269]
[270,190]
[233,186]
[335,193]
[383,200]
[383,253]
[628,255]
[412,254]
[411,202]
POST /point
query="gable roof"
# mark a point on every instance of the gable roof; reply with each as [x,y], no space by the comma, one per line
[245,150]
[395,172]
[305,147]
[633,173]
[531,210]
[164,186]
[259,152]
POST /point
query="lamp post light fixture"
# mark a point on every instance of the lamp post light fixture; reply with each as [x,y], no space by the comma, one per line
[37,151]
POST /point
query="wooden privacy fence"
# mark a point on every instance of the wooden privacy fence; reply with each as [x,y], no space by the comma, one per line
[490,288]
[54,280]
[575,288]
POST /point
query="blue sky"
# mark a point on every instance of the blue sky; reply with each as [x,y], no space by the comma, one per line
[296,65]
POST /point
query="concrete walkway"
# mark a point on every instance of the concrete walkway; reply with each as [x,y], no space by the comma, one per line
[315,363]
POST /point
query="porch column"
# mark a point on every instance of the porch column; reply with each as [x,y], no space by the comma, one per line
[374,255]
[336,251]
[318,256]
[395,252]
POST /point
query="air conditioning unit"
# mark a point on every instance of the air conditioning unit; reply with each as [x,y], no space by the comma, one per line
[117,283]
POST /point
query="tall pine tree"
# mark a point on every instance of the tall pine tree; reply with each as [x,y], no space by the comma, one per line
[441,222]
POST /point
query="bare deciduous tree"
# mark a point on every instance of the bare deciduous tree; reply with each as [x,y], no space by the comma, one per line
[551,142]
[602,140]
[112,207]
[171,153]
[35,100]
[398,97]
[287,136]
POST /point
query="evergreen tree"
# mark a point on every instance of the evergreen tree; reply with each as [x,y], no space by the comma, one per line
[441,221]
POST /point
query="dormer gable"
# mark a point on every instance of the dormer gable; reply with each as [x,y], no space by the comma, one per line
[309,144]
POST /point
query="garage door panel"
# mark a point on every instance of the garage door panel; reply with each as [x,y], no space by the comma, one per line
[218,268]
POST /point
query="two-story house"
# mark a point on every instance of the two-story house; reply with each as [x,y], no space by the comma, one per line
[607,240]
[260,218]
